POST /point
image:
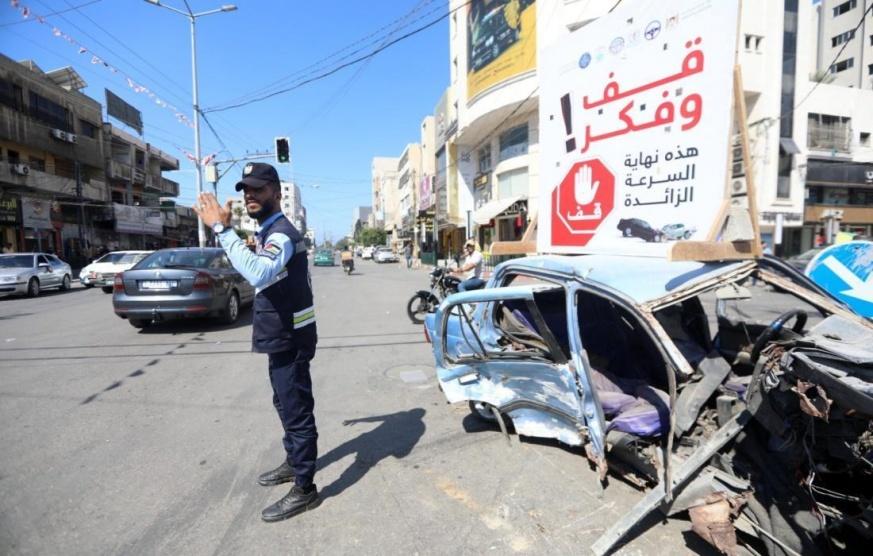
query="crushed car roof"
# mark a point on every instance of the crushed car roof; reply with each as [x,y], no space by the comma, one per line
[643,279]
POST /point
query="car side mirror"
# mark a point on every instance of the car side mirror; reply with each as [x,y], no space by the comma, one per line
[45,267]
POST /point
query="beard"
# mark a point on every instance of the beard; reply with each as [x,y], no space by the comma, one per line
[268,207]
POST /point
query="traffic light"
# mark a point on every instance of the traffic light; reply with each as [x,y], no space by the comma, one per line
[283,150]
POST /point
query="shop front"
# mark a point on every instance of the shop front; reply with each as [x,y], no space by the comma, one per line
[839,199]
[10,223]
[40,226]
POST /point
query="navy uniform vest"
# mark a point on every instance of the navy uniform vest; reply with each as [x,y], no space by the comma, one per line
[284,315]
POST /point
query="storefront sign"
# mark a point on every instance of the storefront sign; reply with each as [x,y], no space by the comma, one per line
[138,220]
[36,213]
[786,216]
[8,210]
[635,116]
[425,193]
[839,173]
[515,209]
[482,180]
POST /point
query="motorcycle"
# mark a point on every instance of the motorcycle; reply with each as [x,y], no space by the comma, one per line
[348,266]
[423,302]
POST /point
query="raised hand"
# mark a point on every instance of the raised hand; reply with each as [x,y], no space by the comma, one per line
[211,212]
[583,187]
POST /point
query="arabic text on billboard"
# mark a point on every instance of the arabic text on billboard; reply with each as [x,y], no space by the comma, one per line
[501,42]
[122,111]
[635,121]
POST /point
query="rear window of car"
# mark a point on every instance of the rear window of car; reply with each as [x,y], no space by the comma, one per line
[188,258]
[16,261]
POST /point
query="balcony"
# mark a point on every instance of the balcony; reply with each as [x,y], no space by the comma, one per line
[139,176]
[119,171]
[153,182]
[834,138]
[169,188]
[50,183]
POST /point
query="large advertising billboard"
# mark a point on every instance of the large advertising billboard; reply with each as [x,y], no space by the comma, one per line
[635,116]
[501,42]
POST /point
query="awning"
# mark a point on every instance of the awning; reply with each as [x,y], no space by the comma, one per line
[492,209]
[788,145]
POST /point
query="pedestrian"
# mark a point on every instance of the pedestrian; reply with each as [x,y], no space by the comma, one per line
[407,254]
[471,271]
[283,325]
[7,248]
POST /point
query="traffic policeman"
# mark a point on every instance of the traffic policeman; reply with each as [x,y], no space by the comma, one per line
[283,326]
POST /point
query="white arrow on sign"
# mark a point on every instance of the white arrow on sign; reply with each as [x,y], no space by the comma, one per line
[858,288]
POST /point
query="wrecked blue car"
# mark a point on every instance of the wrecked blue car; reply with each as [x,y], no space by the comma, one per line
[738,392]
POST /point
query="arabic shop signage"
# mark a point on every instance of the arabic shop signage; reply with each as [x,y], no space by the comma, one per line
[635,118]
[138,220]
[36,213]
[482,180]
[8,210]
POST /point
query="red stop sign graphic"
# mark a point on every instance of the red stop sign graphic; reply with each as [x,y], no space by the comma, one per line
[581,202]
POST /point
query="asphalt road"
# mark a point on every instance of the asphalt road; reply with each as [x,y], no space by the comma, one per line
[118,441]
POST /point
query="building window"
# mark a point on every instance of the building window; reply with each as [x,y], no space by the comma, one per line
[869,69]
[843,65]
[10,95]
[845,7]
[513,142]
[484,156]
[827,132]
[87,129]
[454,69]
[36,163]
[49,112]
[753,43]
[843,37]
[512,184]
[865,138]
[861,197]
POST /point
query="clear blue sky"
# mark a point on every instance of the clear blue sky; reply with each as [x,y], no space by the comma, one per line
[336,125]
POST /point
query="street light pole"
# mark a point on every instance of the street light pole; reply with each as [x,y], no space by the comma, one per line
[192,17]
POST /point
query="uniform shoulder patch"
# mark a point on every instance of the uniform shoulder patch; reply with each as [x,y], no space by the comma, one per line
[271,250]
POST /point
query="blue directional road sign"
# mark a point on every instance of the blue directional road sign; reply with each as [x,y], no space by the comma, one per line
[846,272]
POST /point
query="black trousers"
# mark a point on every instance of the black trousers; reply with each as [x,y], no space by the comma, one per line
[292,398]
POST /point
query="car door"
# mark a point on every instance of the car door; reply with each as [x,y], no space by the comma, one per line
[59,268]
[523,372]
[246,290]
[45,272]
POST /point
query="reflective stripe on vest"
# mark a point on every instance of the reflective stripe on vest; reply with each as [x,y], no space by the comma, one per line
[280,276]
[304,317]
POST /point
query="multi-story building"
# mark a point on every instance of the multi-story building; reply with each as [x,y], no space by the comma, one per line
[383,172]
[51,147]
[408,172]
[240,219]
[449,200]
[360,219]
[836,121]
[292,205]
[424,248]
[137,191]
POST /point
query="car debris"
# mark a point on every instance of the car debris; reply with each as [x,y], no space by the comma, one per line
[762,433]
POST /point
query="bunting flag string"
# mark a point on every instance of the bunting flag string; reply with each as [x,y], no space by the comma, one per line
[97,60]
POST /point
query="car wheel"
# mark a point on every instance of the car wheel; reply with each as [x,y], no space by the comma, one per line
[627,232]
[107,289]
[139,323]
[231,309]
[687,235]
[33,288]
[65,283]
[483,411]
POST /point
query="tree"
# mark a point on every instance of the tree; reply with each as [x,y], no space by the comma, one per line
[371,236]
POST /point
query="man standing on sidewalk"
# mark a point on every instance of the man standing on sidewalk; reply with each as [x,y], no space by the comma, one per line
[407,254]
[283,325]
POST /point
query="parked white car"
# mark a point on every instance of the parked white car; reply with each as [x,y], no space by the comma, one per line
[385,255]
[367,253]
[102,271]
[30,273]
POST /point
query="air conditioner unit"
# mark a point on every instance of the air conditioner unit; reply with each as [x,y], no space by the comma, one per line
[71,137]
[738,187]
[59,134]
[20,169]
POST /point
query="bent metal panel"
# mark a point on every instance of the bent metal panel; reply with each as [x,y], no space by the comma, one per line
[635,115]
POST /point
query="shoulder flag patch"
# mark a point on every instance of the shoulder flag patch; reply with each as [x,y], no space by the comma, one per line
[271,250]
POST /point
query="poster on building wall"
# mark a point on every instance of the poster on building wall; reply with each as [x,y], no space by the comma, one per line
[36,213]
[635,115]
[8,210]
[425,193]
[501,42]
[138,220]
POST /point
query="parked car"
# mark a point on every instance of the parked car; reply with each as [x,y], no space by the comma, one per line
[763,422]
[30,273]
[677,231]
[367,252]
[102,271]
[636,227]
[324,257]
[385,255]
[181,283]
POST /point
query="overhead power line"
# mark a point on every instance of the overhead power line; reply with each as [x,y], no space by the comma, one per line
[352,62]
[70,9]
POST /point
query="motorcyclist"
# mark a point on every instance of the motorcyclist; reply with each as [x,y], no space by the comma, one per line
[471,271]
[348,259]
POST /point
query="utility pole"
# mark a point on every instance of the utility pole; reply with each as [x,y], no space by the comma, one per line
[81,207]
[192,18]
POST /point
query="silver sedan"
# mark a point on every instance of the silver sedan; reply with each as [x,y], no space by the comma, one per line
[30,273]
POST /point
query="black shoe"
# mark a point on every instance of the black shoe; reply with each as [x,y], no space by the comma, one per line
[295,502]
[282,474]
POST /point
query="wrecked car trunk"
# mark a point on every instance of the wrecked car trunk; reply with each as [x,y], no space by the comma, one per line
[761,427]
